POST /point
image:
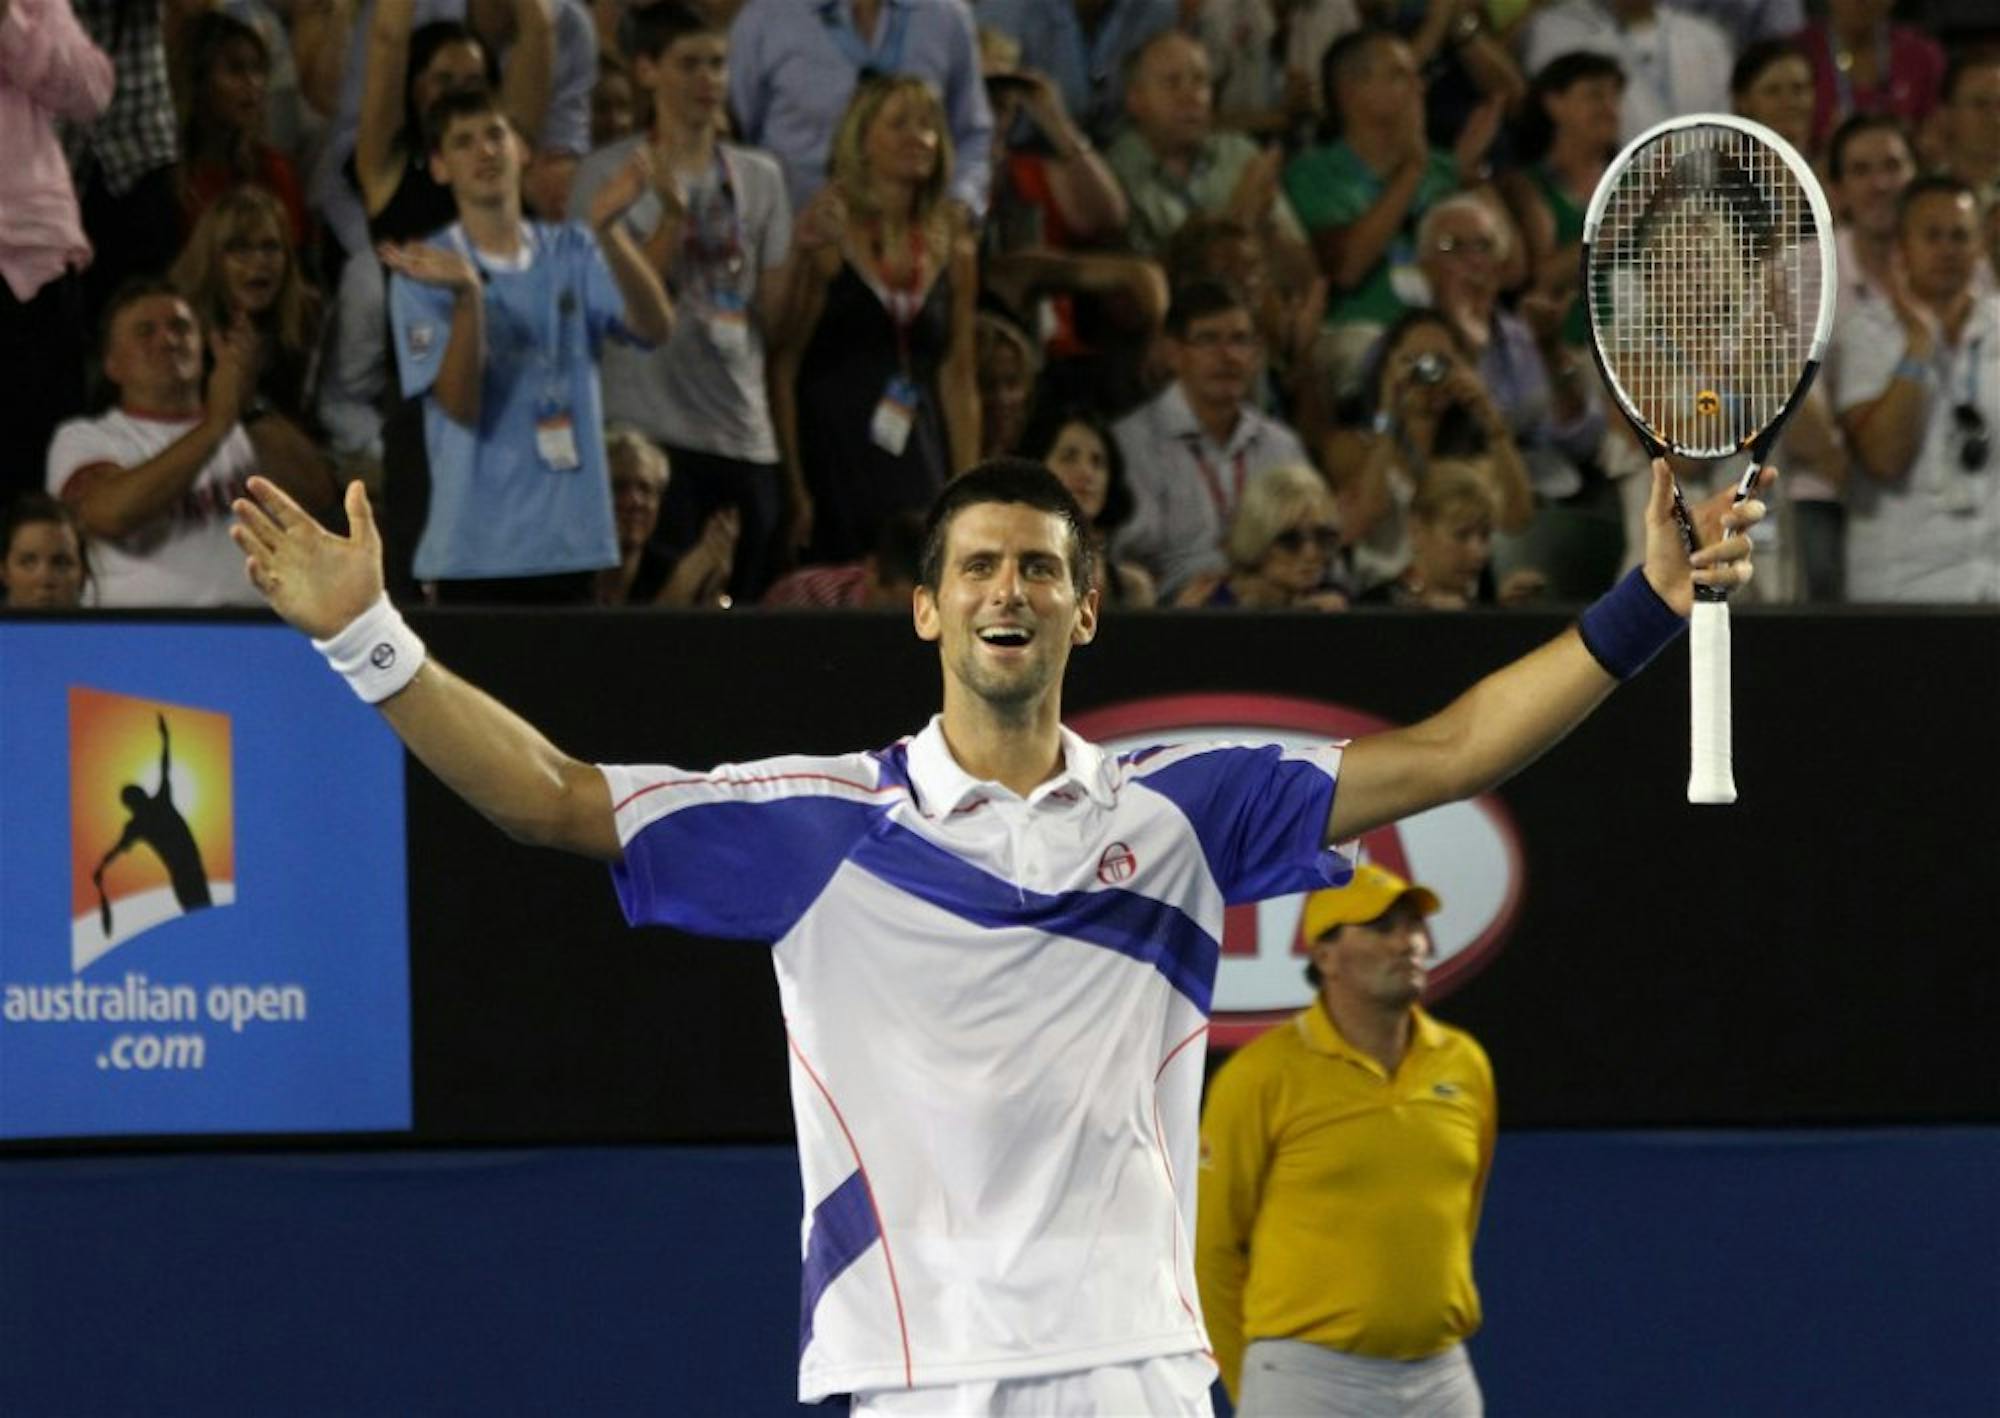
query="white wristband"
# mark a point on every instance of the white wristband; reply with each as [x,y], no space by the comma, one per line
[377,653]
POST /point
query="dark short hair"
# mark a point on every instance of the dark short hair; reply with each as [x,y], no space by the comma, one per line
[449,108]
[1753,61]
[130,293]
[1199,299]
[1533,132]
[425,42]
[1931,185]
[1852,127]
[899,548]
[31,506]
[1961,63]
[1344,59]
[1188,248]
[1020,481]
[1039,440]
[658,28]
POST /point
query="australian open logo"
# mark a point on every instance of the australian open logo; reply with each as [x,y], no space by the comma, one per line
[1469,851]
[152,817]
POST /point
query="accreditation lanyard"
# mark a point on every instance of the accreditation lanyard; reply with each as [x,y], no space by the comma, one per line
[1211,478]
[724,254]
[1657,65]
[905,299]
[886,60]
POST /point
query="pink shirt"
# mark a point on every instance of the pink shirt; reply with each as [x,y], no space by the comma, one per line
[49,69]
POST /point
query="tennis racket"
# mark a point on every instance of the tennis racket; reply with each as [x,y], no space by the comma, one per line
[1709,272]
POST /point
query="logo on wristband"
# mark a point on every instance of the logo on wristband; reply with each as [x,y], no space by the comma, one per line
[382,656]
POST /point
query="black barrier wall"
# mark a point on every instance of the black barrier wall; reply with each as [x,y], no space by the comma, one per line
[1821,953]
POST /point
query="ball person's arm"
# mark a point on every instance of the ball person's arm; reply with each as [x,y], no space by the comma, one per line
[482,750]
[1517,713]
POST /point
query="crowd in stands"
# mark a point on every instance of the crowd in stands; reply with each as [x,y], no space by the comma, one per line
[700,302]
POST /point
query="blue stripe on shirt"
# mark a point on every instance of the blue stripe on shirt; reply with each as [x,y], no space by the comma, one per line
[1260,818]
[843,1228]
[739,870]
[1151,932]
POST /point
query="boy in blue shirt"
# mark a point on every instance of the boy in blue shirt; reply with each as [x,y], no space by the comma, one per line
[498,323]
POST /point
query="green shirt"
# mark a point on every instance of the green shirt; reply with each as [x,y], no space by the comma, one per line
[1330,186]
[1161,202]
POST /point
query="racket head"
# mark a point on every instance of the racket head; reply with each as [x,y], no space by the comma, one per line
[1709,276]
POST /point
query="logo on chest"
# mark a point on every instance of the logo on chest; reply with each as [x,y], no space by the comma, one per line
[1118,865]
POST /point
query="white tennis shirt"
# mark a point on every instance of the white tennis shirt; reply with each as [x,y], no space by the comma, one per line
[996,1008]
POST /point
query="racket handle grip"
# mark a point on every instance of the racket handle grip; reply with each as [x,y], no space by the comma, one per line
[1711,778]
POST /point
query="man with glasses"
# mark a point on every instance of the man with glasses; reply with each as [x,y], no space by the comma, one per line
[1344,1158]
[1917,388]
[1189,452]
[1537,384]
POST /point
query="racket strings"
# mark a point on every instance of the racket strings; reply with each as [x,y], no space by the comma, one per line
[1705,287]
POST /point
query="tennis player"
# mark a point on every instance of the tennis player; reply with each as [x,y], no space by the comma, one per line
[995,943]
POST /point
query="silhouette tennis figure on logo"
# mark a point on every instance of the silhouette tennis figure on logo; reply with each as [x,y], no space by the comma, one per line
[158,824]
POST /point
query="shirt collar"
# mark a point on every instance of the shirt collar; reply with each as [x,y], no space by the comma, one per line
[1179,419]
[1322,1036]
[944,787]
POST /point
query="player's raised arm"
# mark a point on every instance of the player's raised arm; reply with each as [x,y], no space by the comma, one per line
[331,588]
[1517,713]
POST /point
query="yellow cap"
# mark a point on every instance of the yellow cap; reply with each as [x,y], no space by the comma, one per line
[1372,892]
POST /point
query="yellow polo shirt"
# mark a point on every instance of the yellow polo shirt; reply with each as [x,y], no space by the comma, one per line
[1338,1203]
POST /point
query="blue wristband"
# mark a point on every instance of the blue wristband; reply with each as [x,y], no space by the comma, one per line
[1629,624]
[1912,369]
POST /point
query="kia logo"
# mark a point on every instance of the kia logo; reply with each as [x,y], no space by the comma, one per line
[1469,852]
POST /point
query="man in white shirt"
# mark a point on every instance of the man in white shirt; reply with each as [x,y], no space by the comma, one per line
[1189,453]
[1917,389]
[152,478]
[1674,62]
[995,943]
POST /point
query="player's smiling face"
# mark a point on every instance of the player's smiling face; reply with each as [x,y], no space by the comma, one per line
[1006,610]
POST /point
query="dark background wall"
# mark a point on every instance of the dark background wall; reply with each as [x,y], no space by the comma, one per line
[1822,952]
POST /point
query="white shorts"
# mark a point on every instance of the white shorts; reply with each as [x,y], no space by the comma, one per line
[1288,1378]
[1173,1386]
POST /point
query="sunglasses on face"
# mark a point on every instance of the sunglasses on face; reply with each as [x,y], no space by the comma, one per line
[1975,441]
[1296,539]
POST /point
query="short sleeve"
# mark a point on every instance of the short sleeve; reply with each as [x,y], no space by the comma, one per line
[742,851]
[420,322]
[774,232]
[1866,350]
[1260,813]
[77,444]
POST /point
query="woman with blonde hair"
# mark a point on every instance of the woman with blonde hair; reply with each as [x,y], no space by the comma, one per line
[1452,518]
[874,389]
[239,269]
[1281,546]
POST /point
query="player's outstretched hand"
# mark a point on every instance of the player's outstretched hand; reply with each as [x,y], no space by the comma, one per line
[1722,527]
[317,581]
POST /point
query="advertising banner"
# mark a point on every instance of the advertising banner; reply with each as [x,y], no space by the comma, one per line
[204,922]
